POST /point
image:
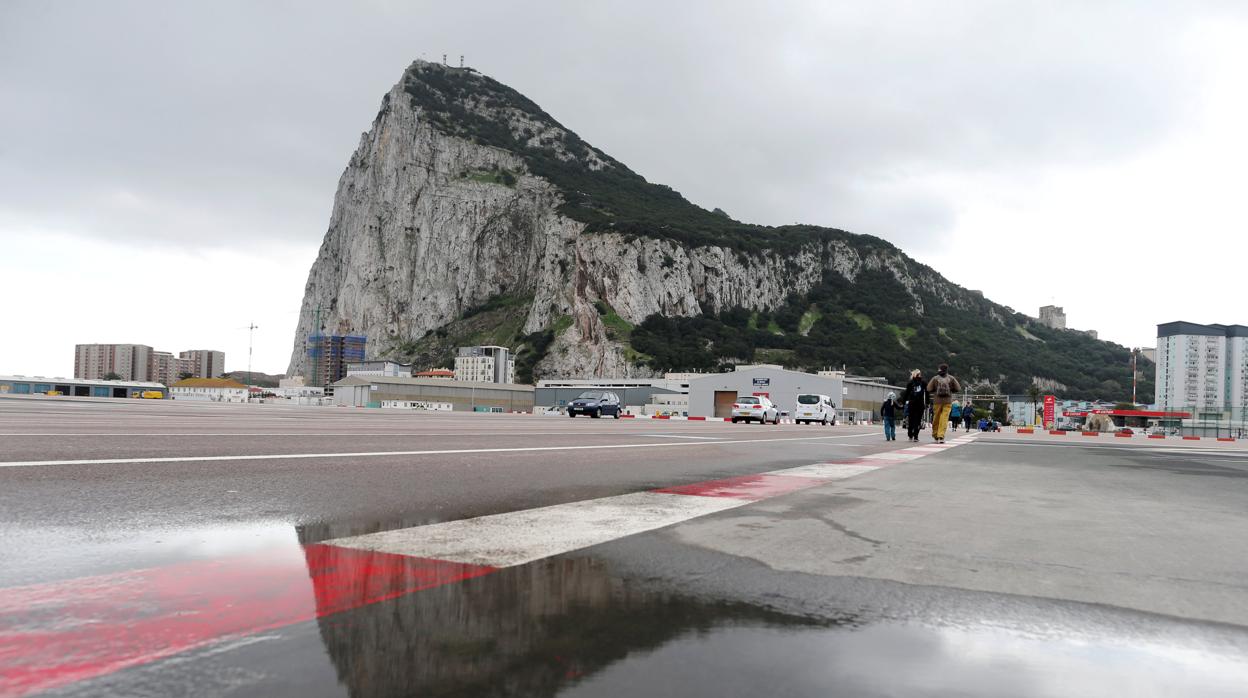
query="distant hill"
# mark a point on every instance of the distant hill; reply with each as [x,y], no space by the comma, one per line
[262,380]
[469,215]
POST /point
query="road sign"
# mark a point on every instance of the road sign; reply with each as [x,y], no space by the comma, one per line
[1050,410]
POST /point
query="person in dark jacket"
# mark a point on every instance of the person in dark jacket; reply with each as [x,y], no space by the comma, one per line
[889,412]
[916,404]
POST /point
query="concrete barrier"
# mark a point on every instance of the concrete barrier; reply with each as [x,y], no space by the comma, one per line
[1056,432]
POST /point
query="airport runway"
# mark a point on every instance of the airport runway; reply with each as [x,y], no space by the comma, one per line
[156,548]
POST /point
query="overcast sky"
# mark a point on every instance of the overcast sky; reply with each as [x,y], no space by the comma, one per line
[167,169]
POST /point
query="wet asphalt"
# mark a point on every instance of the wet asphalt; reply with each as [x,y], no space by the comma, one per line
[1006,567]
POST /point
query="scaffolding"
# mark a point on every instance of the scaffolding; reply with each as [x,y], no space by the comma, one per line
[330,354]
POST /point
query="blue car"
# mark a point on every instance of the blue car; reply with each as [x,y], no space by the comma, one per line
[595,404]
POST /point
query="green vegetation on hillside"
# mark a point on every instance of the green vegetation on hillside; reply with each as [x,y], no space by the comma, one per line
[464,103]
[872,327]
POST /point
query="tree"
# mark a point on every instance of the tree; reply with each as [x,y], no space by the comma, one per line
[112,376]
[1033,391]
[184,375]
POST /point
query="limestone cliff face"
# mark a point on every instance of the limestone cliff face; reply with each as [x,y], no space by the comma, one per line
[430,221]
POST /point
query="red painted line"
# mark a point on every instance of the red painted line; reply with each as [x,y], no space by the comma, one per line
[1091,433]
[1156,436]
[1225,438]
[1191,438]
[752,487]
[1056,432]
[1121,435]
[697,419]
[1026,431]
[61,632]
[628,416]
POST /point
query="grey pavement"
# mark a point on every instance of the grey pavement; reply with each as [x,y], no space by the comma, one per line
[1013,565]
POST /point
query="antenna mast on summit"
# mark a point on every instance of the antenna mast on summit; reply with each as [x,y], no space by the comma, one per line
[461,60]
[444,59]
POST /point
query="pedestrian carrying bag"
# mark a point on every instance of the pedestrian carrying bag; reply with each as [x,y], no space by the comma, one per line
[942,388]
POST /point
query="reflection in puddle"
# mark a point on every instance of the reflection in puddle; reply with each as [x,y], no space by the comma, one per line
[521,631]
[566,626]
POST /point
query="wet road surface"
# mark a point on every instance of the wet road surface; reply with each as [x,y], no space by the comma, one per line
[1004,566]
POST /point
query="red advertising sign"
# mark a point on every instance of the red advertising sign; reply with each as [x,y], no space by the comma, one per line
[1050,410]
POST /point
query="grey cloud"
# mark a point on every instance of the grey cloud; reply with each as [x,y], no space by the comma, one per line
[229,122]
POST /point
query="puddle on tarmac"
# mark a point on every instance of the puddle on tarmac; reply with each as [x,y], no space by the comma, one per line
[567,627]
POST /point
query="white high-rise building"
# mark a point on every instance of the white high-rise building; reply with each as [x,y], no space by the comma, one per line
[485,365]
[1202,367]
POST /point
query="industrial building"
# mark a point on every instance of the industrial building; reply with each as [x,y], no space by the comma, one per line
[329,354]
[381,367]
[485,364]
[78,387]
[371,391]
[210,390]
[712,395]
[633,392]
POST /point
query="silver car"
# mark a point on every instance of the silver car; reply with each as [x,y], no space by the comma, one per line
[755,408]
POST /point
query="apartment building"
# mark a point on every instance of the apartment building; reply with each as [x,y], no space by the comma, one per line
[329,354]
[485,364]
[132,362]
[1203,367]
[204,363]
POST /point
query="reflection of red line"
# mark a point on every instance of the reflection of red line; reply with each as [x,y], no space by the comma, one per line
[57,633]
[746,486]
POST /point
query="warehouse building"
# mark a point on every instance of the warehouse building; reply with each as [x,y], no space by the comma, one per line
[463,396]
[633,392]
[712,395]
[78,387]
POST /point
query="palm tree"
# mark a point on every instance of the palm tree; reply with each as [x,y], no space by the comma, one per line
[1034,393]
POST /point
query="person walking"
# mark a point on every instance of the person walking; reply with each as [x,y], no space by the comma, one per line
[889,412]
[941,389]
[968,414]
[955,415]
[916,404]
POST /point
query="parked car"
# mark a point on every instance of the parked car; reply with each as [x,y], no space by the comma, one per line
[753,408]
[814,408]
[595,404]
[1126,430]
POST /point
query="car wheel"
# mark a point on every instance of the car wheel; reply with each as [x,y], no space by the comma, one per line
[617,414]
[595,414]
[571,415]
[734,420]
[824,422]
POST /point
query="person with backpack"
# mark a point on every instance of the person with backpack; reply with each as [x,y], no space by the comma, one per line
[916,404]
[955,415]
[888,411]
[941,388]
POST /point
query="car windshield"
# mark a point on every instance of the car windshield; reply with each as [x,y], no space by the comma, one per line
[748,400]
[808,399]
[590,396]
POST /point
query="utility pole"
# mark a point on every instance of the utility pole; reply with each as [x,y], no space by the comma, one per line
[1134,373]
[251,333]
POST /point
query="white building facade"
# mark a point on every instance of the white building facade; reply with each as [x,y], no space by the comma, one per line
[1203,368]
[485,364]
[393,369]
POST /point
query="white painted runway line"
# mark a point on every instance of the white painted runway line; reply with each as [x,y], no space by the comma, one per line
[373,454]
[505,540]
[519,537]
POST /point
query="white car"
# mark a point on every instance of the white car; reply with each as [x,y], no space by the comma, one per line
[814,408]
[751,408]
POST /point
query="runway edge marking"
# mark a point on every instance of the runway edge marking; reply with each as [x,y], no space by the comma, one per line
[189,605]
